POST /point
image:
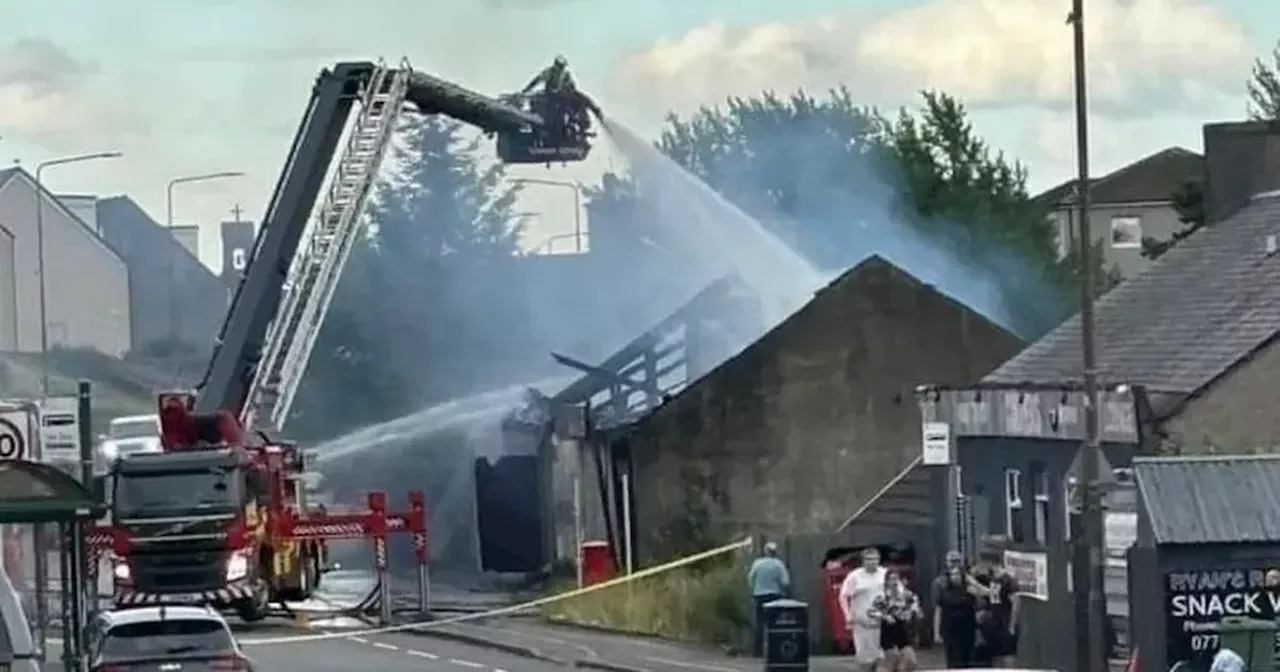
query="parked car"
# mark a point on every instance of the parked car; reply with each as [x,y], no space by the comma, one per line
[177,638]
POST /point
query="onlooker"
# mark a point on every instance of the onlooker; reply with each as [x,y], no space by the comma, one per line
[1226,660]
[997,610]
[858,592]
[954,618]
[769,580]
[898,610]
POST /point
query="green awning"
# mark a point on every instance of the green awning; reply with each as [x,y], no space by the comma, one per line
[32,492]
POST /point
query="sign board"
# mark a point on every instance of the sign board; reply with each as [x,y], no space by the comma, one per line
[1031,571]
[935,443]
[16,424]
[1196,602]
[60,429]
[1033,414]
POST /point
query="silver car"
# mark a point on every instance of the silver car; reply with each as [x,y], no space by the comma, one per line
[163,638]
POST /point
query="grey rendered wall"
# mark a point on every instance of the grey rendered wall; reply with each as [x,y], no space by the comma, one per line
[8,293]
[87,284]
[1159,221]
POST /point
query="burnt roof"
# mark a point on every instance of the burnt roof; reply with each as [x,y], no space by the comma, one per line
[1203,307]
[1211,499]
[1150,179]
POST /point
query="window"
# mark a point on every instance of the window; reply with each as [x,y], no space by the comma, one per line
[1042,508]
[1071,499]
[238,261]
[1013,504]
[1126,232]
[1066,232]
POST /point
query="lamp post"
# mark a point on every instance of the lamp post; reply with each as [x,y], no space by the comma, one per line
[44,309]
[577,202]
[168,224]
[1087,562]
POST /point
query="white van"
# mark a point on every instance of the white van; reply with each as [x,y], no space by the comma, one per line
[17,646]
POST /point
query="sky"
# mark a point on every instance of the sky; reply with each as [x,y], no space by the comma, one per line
[200,86]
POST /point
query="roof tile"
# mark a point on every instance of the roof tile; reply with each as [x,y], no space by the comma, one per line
[1205,305]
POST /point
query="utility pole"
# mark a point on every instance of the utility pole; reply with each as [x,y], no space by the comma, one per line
[1091,654]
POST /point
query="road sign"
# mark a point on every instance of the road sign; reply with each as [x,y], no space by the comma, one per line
[15,437]
[60,429]
[935,443]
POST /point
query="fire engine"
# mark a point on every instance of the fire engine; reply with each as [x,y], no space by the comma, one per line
[220,516]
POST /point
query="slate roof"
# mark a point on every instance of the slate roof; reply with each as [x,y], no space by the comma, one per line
[1151,179]
[1211,499]
[7,173]
[1201,308]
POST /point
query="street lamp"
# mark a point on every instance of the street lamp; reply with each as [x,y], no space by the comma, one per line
[204,177]
[577,202]
[44,314]
[1087,561]
[168,225]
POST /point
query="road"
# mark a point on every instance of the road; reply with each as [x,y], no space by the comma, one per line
[391,652]
[368,653]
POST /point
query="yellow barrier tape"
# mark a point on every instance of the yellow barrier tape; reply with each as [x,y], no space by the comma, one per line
[508,610]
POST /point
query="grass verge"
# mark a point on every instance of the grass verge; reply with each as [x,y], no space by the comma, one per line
[705,603]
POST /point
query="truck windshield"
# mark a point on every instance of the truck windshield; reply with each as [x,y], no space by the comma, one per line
[141,495]
[134,429]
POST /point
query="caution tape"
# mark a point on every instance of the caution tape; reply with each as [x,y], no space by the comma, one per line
[511,609]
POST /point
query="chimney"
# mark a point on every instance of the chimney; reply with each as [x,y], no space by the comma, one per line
[1242,160]
[237,248]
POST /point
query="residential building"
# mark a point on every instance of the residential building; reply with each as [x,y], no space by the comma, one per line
[1196,333]
[86,283]
[175,297]
[1127,205]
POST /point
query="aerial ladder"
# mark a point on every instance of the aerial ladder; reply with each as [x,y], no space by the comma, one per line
[270,330]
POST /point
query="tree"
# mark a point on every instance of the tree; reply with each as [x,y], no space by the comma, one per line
[1188,202]
[827,175]
[1264,88]
[404,329]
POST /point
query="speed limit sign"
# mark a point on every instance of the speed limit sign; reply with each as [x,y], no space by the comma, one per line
[13,440]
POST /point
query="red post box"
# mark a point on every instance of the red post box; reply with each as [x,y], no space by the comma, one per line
[597,562]
[833,575]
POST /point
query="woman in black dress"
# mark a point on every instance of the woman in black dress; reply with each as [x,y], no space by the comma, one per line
[898,610]
[955,621]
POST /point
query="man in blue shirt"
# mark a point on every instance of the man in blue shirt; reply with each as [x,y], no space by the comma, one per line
[769,580]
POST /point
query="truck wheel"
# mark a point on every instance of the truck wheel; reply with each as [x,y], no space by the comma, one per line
[253,609]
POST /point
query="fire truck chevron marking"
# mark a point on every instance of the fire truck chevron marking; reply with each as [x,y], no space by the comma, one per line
[328,530]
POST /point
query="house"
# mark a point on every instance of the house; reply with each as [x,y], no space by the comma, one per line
[1196,333]
[176,298]
[1129,204]
[809,422]
[84,295]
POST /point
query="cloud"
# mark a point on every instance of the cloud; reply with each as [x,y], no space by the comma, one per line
[39,82]
[1142,54]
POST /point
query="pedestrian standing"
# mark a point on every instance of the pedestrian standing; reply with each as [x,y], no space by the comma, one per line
[858,592]
[898,609]
[997,610]
[769,580]
[955,621]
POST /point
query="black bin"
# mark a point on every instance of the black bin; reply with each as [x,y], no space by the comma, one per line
[786,636]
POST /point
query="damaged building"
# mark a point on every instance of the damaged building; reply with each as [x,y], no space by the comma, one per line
[808,423]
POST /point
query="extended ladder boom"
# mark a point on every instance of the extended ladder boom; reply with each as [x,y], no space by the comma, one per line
[278,308]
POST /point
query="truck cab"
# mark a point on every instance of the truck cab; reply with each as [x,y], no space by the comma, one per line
[183,530]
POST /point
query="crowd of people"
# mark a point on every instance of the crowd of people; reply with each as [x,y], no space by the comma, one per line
[974,610]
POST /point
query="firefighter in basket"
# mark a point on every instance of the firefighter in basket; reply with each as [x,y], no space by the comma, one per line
[560,94]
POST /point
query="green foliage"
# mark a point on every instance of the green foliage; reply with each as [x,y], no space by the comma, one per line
[1188,201]
[815,170]
[1264,88]
[402,320]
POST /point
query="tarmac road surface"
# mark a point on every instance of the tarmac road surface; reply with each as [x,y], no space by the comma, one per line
[392,653]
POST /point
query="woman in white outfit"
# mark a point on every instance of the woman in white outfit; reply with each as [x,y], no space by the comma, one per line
[857,594]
